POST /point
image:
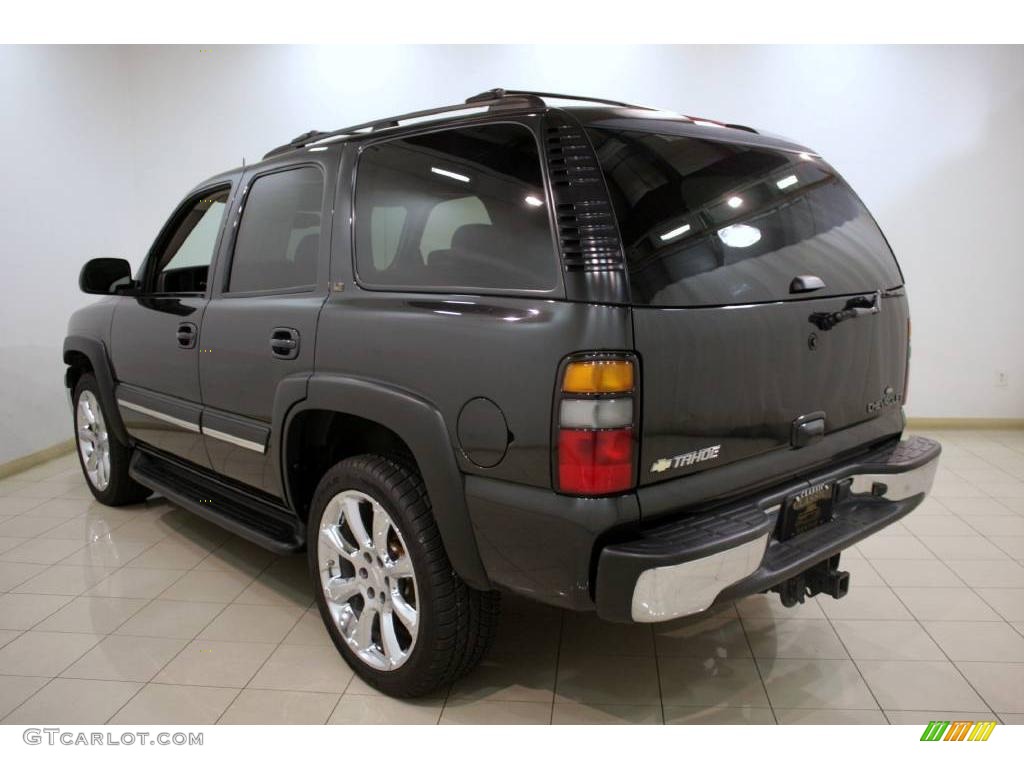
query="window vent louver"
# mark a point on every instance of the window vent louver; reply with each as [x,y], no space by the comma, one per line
[587,234]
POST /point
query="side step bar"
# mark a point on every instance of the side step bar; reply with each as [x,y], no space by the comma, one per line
[260,521]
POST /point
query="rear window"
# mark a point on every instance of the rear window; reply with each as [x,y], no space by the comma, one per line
[709,223]
[455,209]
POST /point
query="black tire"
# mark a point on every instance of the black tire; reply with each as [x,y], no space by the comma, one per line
[120,488]
[484,614]
[456,623]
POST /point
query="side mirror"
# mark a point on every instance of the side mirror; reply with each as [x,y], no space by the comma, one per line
[106,277]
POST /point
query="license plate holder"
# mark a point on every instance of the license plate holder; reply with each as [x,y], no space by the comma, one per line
[806,510]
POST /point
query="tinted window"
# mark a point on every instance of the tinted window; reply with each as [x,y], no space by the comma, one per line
[461,208]
[711,223]
[184,262]
[386,224]
[279,237]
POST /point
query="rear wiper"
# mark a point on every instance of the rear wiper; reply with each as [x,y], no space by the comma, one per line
[858,306]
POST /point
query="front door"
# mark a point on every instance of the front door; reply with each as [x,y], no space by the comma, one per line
[259,328]
[155,335]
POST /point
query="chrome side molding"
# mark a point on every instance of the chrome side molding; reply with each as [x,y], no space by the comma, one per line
[158,415]
[241,442]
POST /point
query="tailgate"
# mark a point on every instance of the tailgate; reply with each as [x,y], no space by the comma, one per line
[738,378]
[769,313]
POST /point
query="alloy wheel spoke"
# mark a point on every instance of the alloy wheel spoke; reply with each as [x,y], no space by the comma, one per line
[340,590]
[331,537]
[354,518]
[400,568]
[405,612]
[87,410]
[389,638]
[381,526]
[363,634]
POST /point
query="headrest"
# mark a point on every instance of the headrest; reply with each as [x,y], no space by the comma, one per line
[308,248]
[305,257]
[477,238]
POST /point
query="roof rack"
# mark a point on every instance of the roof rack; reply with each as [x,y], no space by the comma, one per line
[496,98]
[502,93]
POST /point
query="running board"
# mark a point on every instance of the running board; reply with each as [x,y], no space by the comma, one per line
[262,522]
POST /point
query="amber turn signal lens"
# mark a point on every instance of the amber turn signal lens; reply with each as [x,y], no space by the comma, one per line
[597,376]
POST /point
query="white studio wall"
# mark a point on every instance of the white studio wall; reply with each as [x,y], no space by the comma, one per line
[65,195]
[98,144]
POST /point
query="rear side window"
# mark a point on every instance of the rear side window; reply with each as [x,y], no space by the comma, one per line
[461,208]
[708,223]
[279,237]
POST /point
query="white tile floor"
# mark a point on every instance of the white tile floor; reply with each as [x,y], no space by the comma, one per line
[150,615]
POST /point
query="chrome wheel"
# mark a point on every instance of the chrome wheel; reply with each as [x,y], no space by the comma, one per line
[367,580]
[93,441]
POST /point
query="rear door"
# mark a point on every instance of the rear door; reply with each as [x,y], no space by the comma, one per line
[768,306]
[257,342]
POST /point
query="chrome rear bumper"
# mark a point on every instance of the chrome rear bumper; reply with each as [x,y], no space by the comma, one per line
[684,567]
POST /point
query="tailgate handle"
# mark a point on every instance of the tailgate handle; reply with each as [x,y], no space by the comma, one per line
[806,284]
[858,306]
[807,429]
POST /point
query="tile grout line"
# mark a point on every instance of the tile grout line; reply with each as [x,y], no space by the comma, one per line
[188,642]
[82,594]
[753,657]
[854,661]
[657,671]
[932,638]
[968,586]
[910,613]
[270,655]
[558,662]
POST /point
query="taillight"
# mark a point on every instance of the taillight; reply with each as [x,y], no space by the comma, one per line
[597,426]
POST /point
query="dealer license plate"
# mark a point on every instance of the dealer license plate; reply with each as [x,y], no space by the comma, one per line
[805,510]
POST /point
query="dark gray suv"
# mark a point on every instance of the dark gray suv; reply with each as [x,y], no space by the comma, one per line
[604,356]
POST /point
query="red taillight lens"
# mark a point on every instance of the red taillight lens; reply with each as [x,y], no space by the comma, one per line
[595,462]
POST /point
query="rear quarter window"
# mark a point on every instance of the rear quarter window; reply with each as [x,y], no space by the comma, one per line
[461,208]
[711,223]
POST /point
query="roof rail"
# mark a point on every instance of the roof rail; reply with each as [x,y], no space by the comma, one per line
[496,99]
[502,93]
